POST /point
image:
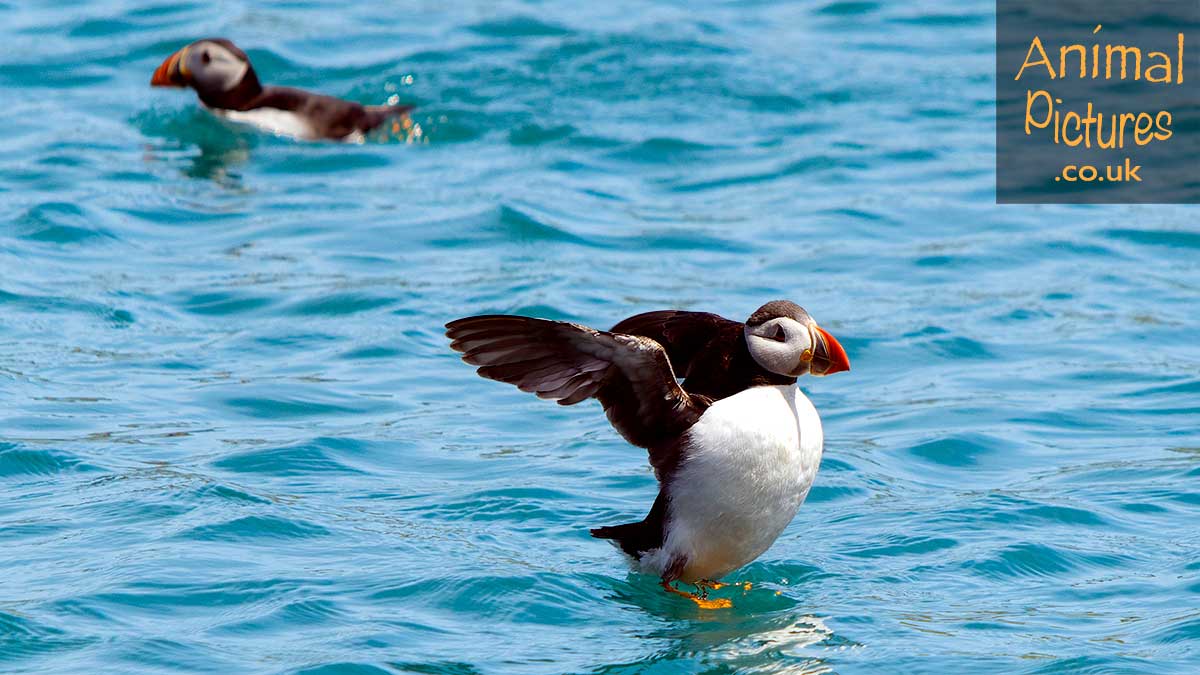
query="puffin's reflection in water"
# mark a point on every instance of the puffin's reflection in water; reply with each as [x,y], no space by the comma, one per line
[783,646]
[786,642]
[214,162]
[765,631]
[219,146]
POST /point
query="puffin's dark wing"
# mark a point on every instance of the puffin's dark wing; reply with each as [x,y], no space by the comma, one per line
[331,117]
[282,98]
[630,375]
[684,335]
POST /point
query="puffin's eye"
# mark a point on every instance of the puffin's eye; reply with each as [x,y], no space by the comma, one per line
[779,335]
[204,57]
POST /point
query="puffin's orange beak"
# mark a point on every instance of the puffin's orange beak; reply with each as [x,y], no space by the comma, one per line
[828,356]
[170,73]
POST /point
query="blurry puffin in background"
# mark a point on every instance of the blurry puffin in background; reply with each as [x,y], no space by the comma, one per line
[735,447]
[222,76]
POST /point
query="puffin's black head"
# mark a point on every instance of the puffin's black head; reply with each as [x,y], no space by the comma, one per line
[785,340]
[214,67]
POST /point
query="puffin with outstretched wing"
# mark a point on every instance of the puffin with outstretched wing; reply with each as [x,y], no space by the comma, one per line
[735,447]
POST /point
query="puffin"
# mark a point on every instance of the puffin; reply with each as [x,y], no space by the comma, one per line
[734,443]
[227,85]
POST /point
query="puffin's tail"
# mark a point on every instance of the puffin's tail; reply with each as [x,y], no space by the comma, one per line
[378,114]
[629,537]
[636,538]
[390,110]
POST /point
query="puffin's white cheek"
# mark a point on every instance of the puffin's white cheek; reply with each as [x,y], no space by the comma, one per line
[794,361]
[234,73]
[224,74]
[777,357]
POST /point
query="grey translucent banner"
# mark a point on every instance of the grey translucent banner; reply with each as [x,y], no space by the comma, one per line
[1097,102]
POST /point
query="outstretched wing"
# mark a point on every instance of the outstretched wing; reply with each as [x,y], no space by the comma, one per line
[630,375]
[684,335]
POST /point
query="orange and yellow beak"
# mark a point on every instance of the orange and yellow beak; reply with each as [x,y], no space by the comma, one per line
[828,356]
[173,72]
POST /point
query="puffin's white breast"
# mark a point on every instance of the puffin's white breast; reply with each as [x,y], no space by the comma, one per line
[273,120]
[748,465]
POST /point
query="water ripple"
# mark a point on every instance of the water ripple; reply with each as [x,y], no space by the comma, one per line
[234,438]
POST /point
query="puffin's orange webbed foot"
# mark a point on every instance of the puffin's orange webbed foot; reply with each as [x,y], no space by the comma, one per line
[704,603]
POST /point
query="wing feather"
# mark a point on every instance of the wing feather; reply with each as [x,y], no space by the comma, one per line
[630,375]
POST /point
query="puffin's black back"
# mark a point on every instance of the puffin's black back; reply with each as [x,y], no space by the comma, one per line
[708,351]
[330,117]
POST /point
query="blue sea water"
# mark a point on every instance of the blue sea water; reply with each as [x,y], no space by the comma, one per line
[233,438]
